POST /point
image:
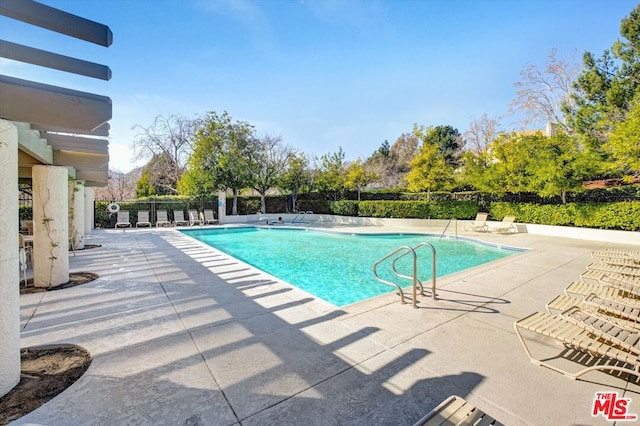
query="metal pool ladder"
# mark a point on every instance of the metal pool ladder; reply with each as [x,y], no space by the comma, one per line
[399,253]
[300,216]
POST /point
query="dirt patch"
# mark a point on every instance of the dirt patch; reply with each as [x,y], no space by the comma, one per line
[75,278]
[89,247]
[45,372]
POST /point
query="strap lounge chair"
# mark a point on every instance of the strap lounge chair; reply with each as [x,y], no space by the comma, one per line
[456,411]
[178,218]
[590,341]
[626,309]
[602,255]
[143,218]
[480,224]
[162,218]
[608,291]
[123,219]
[208,217]
[507,226]
[194,218]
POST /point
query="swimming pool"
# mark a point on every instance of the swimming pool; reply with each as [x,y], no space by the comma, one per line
[337,267]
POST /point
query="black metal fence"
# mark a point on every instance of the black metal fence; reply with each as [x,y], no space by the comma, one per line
[105,219]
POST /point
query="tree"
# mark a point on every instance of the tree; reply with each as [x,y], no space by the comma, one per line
[606,87]
[510,156]
[624,143]
[429,170]
[154,179]
[330,177]
[296,176]
[481,133]
[170,137]
[270,165]
[357,176]
[446,138]
[542,95]
[120,186]
[224,157]
[403,151]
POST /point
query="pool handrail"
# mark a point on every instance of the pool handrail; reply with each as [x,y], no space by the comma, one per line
[407,250]
[433,269]
[301,215]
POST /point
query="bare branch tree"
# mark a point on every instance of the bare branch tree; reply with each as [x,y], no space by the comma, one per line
[169,138]
[541,94]
[482,131]
[272,160]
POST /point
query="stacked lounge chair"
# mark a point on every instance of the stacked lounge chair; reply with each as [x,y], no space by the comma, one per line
[599,318]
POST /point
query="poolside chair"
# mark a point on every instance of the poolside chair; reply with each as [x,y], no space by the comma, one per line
[178,218]
[162,219]
[507,226]
[456,411]
[603,255]
[208,217]
[194,219]
[612,290]
[591,341]
[123,219]
[627,270]
[143,219]
[626,309]
[479,224]
[27,248]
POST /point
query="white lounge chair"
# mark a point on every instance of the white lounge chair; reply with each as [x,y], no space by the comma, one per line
[143,218]
[162,219]
[507,226]
[604,255]
[456,411]
[576,336]
[480,224]
[194,218]
[123,219]
[178,218]
[208,217]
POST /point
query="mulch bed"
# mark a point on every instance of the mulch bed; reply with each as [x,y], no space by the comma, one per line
[75,278]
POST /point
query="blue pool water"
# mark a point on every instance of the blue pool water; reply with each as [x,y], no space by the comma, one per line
[337,267]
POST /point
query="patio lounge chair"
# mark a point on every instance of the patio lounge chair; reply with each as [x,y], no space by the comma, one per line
[123,219]
[626,309]
[506,226]
[208,217]
[456,411]
[589,341]
[602,255]
[194,218]
[178,218]
[480,224]
[627,270]
[143,219]
[162,219]
[607,290]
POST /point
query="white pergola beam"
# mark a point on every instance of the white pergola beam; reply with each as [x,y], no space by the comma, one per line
[57,20]
[78,144]
[31,102]
[98,131]
[34,56]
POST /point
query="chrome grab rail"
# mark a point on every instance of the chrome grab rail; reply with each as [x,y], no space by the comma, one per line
[301,215]
[414,279]
[446,227]
[433,270]
[407,250]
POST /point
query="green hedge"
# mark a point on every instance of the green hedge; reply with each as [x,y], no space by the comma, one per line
[624,215]
[344,208]
[418,209]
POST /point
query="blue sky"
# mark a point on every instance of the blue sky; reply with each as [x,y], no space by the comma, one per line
[322,74]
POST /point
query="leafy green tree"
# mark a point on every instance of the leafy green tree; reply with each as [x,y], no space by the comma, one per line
[156,178]
[270,165]
[358,176]
[224,157]
[429,171]
[330,178]
[606,87]
[624,143]
[510,157]
[296,176]
[448,140]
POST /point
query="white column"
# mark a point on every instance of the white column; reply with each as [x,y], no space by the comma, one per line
[76,213]
[222,207]
[9,276]
[50,226]
[89,218]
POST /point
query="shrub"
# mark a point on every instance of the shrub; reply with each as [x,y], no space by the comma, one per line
[344,208]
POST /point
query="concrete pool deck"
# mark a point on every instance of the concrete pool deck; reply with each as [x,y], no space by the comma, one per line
[182,334]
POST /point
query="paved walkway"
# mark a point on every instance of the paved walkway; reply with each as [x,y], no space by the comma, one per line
[182,334]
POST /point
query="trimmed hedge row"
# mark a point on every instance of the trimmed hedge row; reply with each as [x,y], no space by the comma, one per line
[418,209]
[624,215]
